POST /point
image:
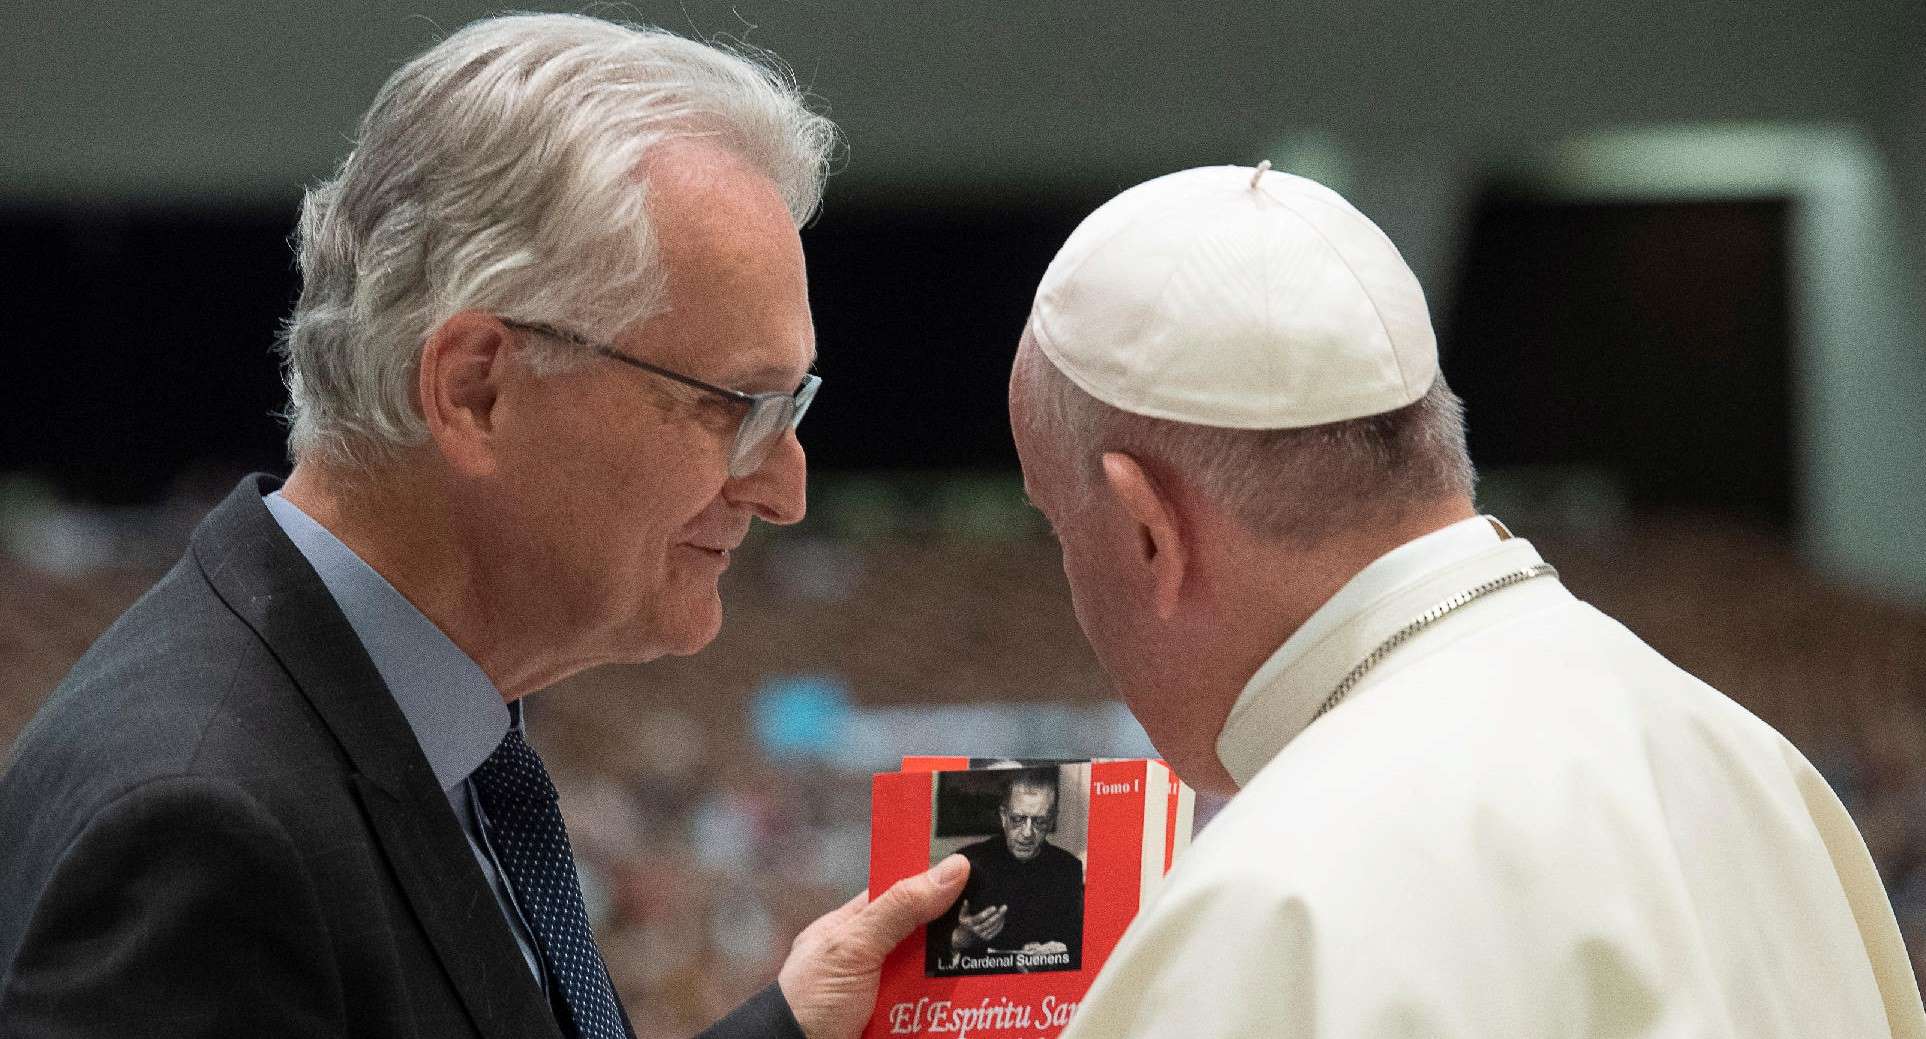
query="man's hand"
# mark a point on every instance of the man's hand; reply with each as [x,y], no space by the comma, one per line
[975,928]
[831,974]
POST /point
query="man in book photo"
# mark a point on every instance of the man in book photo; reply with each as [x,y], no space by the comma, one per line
[551,348]
[1022,908]
[1464,802]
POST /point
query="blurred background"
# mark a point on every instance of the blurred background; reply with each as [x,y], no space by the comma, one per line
[1676,254]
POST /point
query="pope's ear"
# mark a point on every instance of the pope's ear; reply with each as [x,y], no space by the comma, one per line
[1155,527]
[463,364]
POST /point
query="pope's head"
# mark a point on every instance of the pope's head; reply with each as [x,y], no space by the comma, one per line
[1226,403]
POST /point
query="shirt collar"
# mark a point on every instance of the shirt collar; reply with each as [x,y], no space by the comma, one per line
[456,713]
[1257,726]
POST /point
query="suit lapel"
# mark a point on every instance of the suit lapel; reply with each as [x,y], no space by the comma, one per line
[491,974]
[261,575]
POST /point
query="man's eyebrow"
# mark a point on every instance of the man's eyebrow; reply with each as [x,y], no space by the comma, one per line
[768,373]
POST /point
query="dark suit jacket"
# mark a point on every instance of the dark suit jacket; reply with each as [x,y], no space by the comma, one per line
[1045,900]
[221,824]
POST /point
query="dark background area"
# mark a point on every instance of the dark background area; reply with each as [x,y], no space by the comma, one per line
[1647,342]
[149,334]
[139,339]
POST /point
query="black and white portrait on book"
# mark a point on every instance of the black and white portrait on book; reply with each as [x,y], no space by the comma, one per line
[1024,828]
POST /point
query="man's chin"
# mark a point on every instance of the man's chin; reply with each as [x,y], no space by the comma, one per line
[695,629]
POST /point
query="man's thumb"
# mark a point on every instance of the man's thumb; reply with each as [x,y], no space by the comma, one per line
[890,918]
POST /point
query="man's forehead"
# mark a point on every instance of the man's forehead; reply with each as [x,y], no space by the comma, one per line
[758,374]
[738,311]
[1028,796]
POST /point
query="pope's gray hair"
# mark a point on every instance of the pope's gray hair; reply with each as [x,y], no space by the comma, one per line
[499,171]
[1291,486]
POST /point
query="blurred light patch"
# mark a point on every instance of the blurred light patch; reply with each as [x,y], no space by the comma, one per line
[816,569]
[1319,155]
[800,717]
[1709,160]
[53,535]
[1579,499]
[878,738]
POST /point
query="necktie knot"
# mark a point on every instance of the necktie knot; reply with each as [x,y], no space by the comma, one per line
[517,771]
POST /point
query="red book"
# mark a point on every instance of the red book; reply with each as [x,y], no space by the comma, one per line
[1063,854]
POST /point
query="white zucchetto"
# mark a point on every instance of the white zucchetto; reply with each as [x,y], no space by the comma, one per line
[1227,296]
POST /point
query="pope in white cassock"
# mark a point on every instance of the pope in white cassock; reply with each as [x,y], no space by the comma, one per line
[1467,803]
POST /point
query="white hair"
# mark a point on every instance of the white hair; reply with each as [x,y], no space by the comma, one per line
[499,171]
[1293,486]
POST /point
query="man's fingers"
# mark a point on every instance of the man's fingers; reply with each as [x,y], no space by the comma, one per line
[989,921]
[888,919]
[994,924]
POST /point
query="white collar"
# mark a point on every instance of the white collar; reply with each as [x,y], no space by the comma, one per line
[1282,697]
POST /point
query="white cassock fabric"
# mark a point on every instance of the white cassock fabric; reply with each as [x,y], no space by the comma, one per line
[1523,822]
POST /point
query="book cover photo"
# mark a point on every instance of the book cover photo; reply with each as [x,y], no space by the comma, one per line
[1062,856]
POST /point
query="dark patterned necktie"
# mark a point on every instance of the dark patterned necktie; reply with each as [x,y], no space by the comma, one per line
[526,825]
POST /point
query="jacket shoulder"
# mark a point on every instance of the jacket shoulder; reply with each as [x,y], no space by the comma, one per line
[146,696]
[177,687]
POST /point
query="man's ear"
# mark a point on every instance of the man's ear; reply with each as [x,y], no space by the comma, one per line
[1159,535]
[463,364]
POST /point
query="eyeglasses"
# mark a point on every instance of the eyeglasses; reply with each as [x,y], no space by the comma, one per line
[763,423]
[1017,821]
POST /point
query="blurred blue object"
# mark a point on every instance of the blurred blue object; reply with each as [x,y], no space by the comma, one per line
[801,717]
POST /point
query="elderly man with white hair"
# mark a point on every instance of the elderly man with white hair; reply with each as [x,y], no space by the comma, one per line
[552,344]
[1466,803]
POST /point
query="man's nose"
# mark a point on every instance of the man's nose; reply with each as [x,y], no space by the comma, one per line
[777,491]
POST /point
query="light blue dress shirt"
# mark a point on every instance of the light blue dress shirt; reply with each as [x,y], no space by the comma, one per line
[457,714]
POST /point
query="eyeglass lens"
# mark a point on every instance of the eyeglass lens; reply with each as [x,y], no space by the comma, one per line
[758,434]
[768,417]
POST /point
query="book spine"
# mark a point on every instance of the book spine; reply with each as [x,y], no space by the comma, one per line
[1186,822]
[933,763]
[1158,818]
